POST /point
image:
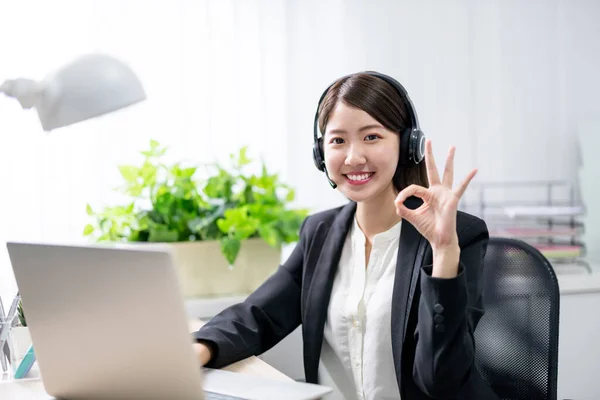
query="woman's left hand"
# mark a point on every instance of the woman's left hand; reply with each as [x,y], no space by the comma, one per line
[435,219]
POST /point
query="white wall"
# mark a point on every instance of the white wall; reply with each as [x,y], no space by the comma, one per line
[507,82]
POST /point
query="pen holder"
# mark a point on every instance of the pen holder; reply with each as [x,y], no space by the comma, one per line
[21,341]
[8,356]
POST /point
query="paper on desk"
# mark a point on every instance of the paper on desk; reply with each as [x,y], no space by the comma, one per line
[257,367]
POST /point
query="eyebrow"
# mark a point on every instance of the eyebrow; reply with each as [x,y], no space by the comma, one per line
[364,128]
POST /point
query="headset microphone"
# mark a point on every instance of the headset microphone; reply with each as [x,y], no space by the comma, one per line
[332,183]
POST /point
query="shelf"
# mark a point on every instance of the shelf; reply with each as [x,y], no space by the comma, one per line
[525,232]
[534,211]
[558,251]
[543,214]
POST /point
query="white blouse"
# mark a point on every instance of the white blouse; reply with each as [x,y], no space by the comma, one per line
[357,348]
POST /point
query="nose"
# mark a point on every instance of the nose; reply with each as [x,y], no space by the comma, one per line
[355,156]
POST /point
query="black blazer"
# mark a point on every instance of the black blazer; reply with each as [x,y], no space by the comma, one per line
[432,319]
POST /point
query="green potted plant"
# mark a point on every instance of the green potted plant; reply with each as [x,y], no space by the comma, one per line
[225,229]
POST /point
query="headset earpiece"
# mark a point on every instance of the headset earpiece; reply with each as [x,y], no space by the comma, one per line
[319,160]
[412,146]
[318,157]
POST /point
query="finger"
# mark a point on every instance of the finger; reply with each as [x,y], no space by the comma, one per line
[463,186]
[432,172]
[448,178]
[412,190]
[405,212]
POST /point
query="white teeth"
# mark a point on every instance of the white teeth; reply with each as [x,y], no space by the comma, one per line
[360,177]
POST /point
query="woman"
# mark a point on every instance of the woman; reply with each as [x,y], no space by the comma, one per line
[388,287]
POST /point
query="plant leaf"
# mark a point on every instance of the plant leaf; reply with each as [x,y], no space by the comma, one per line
[161,235]
[230,247]
[88,230]
[129,173]
[291,195]
[269,234]
[243,158]
[21,313]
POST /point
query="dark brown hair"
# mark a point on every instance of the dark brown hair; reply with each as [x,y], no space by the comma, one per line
[381,101]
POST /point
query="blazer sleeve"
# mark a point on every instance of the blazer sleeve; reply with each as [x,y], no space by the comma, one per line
[267,316]
[449,310]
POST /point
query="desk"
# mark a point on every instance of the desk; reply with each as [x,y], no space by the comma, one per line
[578,351]
[32,387]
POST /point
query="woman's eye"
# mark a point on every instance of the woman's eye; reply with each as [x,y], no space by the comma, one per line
[371,137]
[337,141]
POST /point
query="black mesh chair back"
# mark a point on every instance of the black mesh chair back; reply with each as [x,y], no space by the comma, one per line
[517,337]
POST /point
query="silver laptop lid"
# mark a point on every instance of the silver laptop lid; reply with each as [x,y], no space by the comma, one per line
[97,316]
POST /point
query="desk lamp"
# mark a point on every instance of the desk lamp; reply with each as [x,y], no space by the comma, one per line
[89,86]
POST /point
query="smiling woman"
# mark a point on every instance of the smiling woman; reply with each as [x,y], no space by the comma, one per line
[396,240]
[364,113]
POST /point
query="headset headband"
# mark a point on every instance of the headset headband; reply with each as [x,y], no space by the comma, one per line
[399,88]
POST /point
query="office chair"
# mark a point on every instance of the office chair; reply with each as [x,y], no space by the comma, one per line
[517,338]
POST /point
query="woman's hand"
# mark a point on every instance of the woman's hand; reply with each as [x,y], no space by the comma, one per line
[203,353]
[436,218]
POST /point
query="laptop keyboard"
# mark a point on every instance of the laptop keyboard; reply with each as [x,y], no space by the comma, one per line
[217,396]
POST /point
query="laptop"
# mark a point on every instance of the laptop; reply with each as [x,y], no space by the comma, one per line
[109,322]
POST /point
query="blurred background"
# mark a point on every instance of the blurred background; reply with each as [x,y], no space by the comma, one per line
[512,84]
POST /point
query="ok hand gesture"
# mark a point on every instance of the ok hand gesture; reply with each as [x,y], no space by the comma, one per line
[435,219]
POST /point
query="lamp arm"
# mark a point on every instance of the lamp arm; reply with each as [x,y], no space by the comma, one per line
[26,91]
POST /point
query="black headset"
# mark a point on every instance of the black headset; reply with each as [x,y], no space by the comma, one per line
[412,139]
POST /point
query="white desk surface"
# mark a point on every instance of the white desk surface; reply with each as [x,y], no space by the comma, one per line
[578,280]
[32,387]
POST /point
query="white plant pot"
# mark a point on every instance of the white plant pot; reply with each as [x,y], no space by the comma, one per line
[204,272]
[21,341]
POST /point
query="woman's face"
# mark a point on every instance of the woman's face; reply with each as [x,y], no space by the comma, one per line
[361,155]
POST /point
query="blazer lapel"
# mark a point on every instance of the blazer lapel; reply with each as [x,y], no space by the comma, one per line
[319,291]
[410,253]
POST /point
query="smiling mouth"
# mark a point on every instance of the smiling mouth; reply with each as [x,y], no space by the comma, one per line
[359,179]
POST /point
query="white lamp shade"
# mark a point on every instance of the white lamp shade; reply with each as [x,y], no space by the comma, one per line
[88,87]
